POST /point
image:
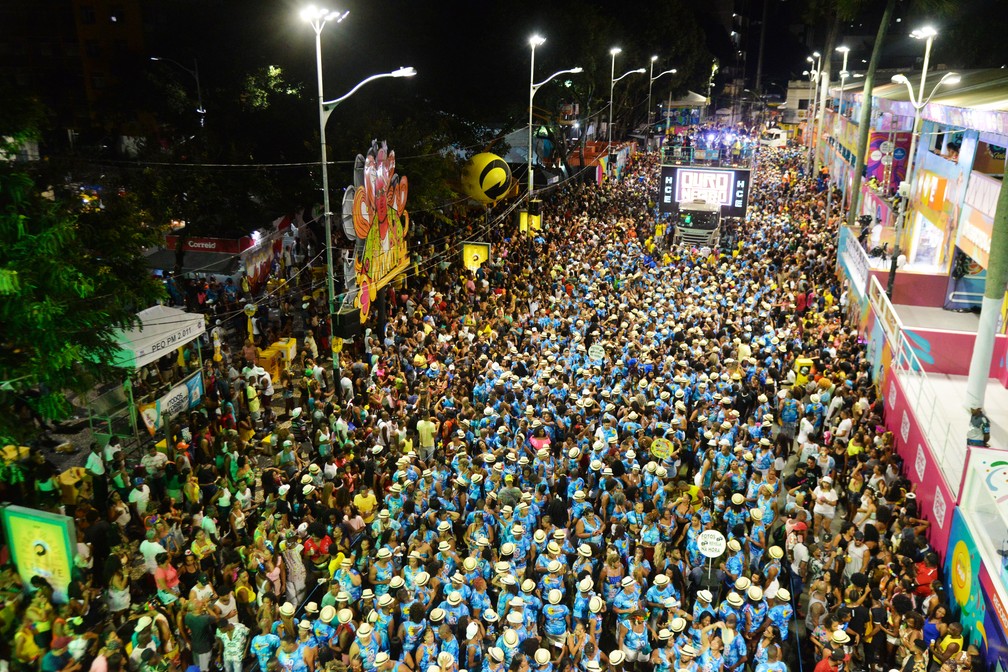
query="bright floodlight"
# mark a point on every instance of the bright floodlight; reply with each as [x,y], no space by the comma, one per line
[816,54]
[805,72]
[654,58]
[576,70]
[924,33]
[536,40]
[313,13]
[810,59]
[843,50]
[404,72]
[640,70]
[950,78]
[614,51]
[899,79]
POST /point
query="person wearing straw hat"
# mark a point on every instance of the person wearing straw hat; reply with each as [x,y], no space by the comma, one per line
[556,618]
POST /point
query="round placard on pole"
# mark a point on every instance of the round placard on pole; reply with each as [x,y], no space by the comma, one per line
[596,352]
[711,543]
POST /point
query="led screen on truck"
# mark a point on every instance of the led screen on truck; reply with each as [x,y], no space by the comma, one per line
[727,187]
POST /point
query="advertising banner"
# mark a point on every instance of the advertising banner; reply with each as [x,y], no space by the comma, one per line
[475,255]
[934,497]
[887,158]
[179,399]
[854,261]
[377,223]
[976,222]
[728,187]
[222,245]
[41,544]
[974,597]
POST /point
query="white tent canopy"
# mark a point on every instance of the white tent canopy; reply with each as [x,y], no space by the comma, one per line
[162,330]
[691,99]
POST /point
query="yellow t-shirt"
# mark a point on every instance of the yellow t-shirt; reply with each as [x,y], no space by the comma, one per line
[366,505]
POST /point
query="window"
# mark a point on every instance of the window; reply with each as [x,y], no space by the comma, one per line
[803,103]
[87,14]
[92,49]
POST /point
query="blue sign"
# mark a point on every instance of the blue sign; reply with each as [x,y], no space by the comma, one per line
[899,153]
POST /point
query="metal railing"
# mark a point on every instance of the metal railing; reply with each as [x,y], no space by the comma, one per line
[930,409]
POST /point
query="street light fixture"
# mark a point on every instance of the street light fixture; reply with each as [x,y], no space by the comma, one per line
[318,18]
[535,41]
[195,74]
[918,101]
[651,82]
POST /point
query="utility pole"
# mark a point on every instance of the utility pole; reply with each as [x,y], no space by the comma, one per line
[762,42]
[990,309]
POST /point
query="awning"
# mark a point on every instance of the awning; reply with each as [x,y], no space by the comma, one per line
[218,263]
[162,330]
[691,99]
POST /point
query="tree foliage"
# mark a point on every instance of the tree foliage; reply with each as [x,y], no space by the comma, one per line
[70,277]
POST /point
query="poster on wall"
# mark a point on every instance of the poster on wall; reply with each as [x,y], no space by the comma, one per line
[41,544]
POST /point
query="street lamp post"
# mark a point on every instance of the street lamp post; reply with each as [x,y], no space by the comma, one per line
[318,18]
[535,41]
[919,103]
[195,74]
[843,78]
[811,123]
[652,78]
[612,85]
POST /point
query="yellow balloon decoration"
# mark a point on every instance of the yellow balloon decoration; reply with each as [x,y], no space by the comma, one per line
[486,178]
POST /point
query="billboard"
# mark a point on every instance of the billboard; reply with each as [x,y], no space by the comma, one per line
[375,218]
[41,544]
[728,187]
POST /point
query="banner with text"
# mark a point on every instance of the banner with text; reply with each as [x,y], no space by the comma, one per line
[727,187]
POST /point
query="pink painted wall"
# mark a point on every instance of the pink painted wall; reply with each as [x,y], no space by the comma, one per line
[934,497]
[949,352]
[916,289]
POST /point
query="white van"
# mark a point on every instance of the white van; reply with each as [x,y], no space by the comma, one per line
[774,137]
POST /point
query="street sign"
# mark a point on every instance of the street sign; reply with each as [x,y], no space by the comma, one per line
[711,543]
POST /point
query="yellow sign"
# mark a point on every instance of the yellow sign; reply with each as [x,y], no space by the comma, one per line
[661,448]
[379,222]
[41,544]
[528,223]
[475,255]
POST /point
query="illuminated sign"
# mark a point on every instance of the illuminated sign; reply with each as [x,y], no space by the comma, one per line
[41,544]
[727,187]
[375,218]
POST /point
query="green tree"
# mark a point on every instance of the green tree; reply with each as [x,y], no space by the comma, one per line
[70,276]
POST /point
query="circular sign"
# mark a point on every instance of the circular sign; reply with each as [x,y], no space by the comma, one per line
[711,543]
[886,147]
[886,160]
[596,352]
[876,155]
[661,448]
[900,153]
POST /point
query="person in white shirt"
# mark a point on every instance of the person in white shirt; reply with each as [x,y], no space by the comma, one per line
[139,497]
[95,468]
[150,549]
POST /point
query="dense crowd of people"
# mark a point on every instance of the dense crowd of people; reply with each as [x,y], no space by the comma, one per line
[516,474]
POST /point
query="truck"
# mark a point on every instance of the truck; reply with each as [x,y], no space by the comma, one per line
[697,224]
[773,137]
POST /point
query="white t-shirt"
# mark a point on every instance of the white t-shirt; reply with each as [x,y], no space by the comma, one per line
[140,497]
[150,550]
[825,501]
[799,554]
